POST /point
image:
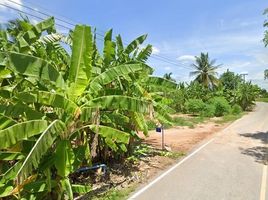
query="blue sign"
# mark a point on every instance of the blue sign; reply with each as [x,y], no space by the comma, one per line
[158,129]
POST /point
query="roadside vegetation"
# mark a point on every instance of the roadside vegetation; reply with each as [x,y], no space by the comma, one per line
[67,106]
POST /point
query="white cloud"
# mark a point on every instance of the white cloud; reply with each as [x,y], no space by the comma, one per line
[167,68]
[188,58]
[237,66]
[156,51]
[238,23]
[17,4]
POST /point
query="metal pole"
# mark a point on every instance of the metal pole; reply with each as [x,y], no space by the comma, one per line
[243,75]
[163,144]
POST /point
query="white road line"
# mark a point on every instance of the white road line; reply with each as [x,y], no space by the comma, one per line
[263,183]
[168,171]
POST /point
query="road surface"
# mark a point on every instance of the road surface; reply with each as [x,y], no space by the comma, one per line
[232,165]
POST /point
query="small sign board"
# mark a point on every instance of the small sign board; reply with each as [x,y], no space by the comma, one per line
[158,129]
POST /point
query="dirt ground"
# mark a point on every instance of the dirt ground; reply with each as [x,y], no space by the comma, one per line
[182,139]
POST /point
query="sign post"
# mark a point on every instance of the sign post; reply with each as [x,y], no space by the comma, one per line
[163,143]
[160,129]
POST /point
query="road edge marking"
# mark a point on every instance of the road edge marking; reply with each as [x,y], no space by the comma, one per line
[263,183]
[135,195]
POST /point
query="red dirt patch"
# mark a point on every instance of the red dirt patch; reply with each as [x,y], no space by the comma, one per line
[182,139]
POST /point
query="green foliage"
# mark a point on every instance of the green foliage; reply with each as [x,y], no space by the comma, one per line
[178,99]
[80,68]
[113,73]
[262,100]
[229,118]
[162,82]
[13,134]
[263,93]
[236,109]
[209,110]
[60,110]
[151,124]
[64,158]
[246,95]
[115,139]
[173,155]
[181,121]
[140,151]
[168,76]
[41,146]
[145,53]
[35,69]
[230,80]
[143,150]
[221,105]
[198,91]
[194,106]
[115,194]
[120,102]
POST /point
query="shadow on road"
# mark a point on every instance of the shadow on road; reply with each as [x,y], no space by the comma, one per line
[259,153]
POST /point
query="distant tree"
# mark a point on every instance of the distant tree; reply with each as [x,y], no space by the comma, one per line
[205,71]
[168,76]
[263,93]
[230,80]
[265,74]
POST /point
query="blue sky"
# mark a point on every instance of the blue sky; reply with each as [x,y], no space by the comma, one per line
[230,31]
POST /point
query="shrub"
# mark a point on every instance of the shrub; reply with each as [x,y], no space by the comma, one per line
[236,109]
[222,106]
[150,124]
[194,106]
[208,110]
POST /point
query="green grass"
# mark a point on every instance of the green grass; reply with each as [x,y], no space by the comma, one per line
[229,118]
[116,194]
[262,100]
[180,121]
[144,150]
[198,119]
[192,121]
[173,155]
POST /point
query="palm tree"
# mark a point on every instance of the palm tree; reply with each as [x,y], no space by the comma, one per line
[205,71]
[168,76]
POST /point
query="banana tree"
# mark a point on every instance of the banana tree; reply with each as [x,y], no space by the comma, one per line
[50,119]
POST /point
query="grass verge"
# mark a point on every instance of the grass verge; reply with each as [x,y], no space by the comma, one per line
[229,118]
[262,100]
[116,194]
[180,121]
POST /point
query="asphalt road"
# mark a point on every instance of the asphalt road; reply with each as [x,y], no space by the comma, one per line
[232,165]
